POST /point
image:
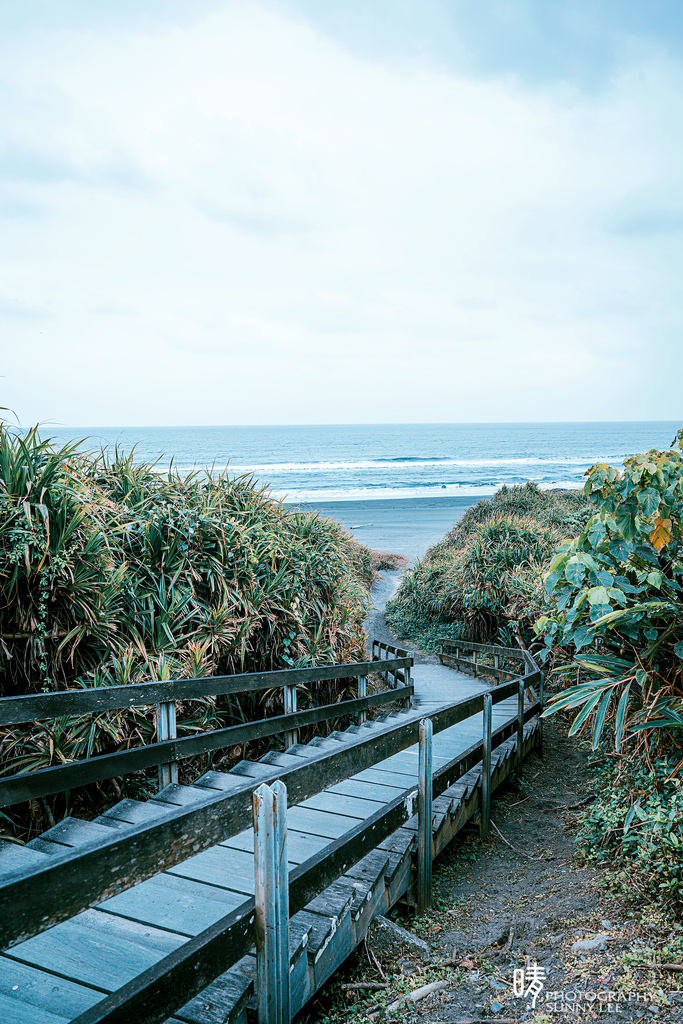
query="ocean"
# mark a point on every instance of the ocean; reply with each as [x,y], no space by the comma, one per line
[361,463]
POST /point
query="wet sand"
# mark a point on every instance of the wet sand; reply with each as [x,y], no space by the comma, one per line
[405,526]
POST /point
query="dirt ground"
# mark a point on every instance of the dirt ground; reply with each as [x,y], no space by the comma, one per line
[519,901]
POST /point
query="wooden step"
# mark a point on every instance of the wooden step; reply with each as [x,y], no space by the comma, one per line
[218,781]
[27,994]
[14,857]
[133,812]
[71,833]
[251,770]
[183,796]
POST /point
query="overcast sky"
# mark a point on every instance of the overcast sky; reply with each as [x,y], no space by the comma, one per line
[341,210]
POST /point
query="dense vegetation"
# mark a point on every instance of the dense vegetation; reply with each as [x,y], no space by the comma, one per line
[593,583]
[484,580]
[111,573]
[615,625]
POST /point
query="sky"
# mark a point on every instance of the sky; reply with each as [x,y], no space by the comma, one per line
[329,211]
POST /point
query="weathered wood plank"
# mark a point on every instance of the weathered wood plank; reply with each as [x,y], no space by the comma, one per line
[15,710]
[45,781]
[65,886]
[32,988]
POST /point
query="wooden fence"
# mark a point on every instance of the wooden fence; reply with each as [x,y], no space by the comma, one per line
[70,883]
[169,748]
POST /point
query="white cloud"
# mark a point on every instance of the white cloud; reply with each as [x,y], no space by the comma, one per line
[240,222]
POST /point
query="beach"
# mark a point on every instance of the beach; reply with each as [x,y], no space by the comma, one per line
[404,526]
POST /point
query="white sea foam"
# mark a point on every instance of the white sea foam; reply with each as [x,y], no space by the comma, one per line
[394,465]
[317,496]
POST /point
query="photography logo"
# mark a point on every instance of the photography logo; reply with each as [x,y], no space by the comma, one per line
[528,982]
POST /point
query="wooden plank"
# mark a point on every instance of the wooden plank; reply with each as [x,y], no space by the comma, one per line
[64,886]
[350,806]
[88,956]
[365,790]
[15,858]
[132,812]
[70,833]
[14,1012]
[320,823]
[226,868]
[219,1002]
[45,781]
[186,912]
[14,710]
[31,987]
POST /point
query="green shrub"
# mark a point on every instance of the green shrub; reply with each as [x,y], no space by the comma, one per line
[616,597]
[484,580]
[111,573]
[635,826]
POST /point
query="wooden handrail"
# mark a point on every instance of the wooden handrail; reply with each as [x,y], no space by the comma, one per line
[68,884]
[31,708]
[32,785]
[155,995]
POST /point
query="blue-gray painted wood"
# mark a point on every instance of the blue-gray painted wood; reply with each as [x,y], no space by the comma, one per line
[271,876]
[424,810]
[520,728]
[166,730]
[486,769]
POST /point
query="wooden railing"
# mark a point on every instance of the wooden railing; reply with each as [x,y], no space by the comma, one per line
[386,654]
[169,748]
[70,883]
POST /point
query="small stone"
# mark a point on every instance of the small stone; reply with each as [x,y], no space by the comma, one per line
[653,1008]
[596,943]
[393,930]
[496,1006]
[498,986]
[607,925]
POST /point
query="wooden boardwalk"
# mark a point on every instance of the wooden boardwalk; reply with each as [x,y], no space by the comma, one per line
[60,973]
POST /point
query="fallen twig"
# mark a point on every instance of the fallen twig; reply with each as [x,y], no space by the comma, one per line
[511,938]
[670,967]
[516,850]
[378,966]
[353,985]
[414,996]
[582,803]
[518,802]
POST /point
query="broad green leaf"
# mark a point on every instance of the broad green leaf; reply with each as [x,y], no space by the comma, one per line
[583,715]
[600,719]
[585,559]
[583,636]
[598,595]
[678,649]
[626,521]
[630,815]
[649,501]
[621,715]
[574,572]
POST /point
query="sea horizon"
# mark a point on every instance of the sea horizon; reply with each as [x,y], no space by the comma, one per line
[367,462]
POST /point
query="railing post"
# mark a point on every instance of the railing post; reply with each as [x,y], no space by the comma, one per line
[362,692]
[271,876]
[540,713]
[166,730]
[408,677]
[424,819]
[496,661]
[474,662]
[291,735]
[520,728]
[486,768]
